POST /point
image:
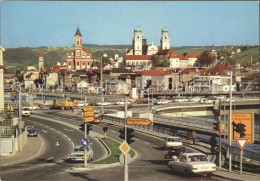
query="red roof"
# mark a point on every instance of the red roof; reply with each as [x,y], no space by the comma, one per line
[138,57]
[40,54]
[152,72]
[218,69]
[165,52]
[181,57]
[192,55]
[190,71]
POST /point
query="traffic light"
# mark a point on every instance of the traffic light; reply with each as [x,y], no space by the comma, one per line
[216,113]
[89,128]
[130,135]
[82,127]
[242,130]
[216,126]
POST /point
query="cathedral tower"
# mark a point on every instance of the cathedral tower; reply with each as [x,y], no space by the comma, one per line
[137,41]
[41,62]
[165,41]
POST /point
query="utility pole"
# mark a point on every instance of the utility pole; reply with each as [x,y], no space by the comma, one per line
[230,120]
[85,149]
[1,79]
[126,164]
[219,133]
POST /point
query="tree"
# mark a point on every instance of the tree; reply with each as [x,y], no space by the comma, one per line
[206,59]
[156,62]
[105,60]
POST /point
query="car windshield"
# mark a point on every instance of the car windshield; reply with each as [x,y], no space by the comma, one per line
[26,109]
[196,158]
[173,139]
[79,149]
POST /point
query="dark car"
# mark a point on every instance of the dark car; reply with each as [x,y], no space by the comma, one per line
[32,131]
[142,101]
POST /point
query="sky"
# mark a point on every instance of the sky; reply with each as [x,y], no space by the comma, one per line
[190,23]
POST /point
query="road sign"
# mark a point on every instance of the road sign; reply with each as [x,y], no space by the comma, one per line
[246,119]
[8,95]
[84,142]
[124,147]
[241,142]
[87,114]
[222,126]
[87,108]
[88,119]
[138,121]
[122,158]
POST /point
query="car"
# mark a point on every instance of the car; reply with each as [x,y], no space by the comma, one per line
[195,99]
[26,111]
[192,163]
[162,101]
[94,103]
[79,151]
[228,100]
[105,103]
[210,100]
[32,131]
[180,99]
[34,107]
[142,101]
[121,102]
[171,141]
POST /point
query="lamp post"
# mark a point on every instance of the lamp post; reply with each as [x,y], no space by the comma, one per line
[230,120]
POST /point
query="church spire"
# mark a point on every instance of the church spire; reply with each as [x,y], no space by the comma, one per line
[78,32]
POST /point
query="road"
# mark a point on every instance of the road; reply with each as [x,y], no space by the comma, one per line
[53,163]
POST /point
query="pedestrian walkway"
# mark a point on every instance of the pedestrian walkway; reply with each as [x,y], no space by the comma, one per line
[235,175]
[33,148]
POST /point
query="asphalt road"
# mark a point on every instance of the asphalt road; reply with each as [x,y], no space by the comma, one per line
[53,163]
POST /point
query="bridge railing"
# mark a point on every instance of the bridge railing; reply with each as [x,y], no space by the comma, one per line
[254,156]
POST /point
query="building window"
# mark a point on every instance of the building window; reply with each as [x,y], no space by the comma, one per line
[137,37]
[83,63]
[77,53]
[69,63]
[77,63]
[77,42]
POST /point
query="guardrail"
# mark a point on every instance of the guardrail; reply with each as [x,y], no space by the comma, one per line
[254,156]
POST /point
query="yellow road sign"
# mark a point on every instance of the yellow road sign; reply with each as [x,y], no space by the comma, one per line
[222,126]
[87,108]
[124,147]
[88,119]
[239,120]
[138,121]
[87,114]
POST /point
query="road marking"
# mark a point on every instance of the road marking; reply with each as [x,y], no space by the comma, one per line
[48,159]
[52,128]
[57,144]
[44,131]
[68,129]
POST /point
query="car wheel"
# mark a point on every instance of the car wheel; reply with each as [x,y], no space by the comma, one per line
[209,174]
[187,174]
[172,169]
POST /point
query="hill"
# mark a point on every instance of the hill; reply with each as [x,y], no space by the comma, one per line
[246,55]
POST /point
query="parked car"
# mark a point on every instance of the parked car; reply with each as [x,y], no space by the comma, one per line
[94,103]
[26,111]
[192,163]
[162,101]
[79,151]
[34,107]
[195,99]
[121,102]
[142,101]
[180,99]
[105,103]
[32,131]
[210,100]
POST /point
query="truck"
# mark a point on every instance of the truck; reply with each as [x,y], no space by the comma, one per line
[173,147]
[62,104]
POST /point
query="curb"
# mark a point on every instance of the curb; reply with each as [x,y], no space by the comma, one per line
[28,158]
[107,148]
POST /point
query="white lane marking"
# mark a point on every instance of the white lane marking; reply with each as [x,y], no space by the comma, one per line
[48,159]
[57,144]
[52,128]
[44,131]
[40,124]
[68,129]
[65,135]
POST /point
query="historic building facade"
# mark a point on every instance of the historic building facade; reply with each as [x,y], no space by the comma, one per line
[80,58]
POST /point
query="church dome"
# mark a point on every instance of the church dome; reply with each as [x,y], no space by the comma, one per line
[164,29]
[137,29]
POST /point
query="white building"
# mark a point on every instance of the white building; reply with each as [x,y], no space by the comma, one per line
[165,41]
[138,60]
[152,49]
[51,80]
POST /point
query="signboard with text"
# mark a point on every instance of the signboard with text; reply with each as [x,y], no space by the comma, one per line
[242,126]
[138,121]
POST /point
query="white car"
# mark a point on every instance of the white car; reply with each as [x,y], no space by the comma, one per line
[121,102]
[210,100]
[79,151]
[172,141]
[162,101]
[26,111]
[33,107]
[104,103]
[180,100]
[192,163]
[195,99]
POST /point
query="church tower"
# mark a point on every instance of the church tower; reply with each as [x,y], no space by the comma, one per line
[165,41]
[137,41]
[41,62]
[78,43]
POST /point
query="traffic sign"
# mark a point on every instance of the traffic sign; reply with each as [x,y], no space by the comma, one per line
[222,126]
[87,108]
[138,121]
[241,142]
[84,142]
[87,114]
[124,147]
[88,119]
[122,158]
[238,120]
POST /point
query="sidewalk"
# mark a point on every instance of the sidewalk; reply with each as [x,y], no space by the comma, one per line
[31,150]
[235,175]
